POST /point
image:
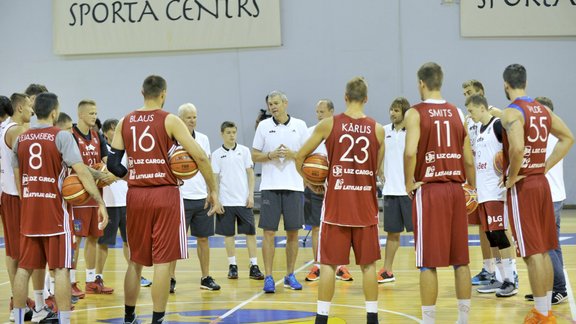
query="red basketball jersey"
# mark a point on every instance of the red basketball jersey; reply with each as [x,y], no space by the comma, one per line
[440,148]
[91,154]
[352,148]
[537,125]
[147,146]
[42,170]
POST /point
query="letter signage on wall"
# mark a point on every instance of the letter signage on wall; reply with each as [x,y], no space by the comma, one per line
[487,18]
[108,26]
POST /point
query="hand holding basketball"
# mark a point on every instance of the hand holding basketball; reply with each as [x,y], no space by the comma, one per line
[182,164]
[315,168]
[471,198]
[73,190]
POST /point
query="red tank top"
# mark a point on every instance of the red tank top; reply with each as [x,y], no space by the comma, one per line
[42,170]
[91,154]
[537,125]
[147,146]
[440,148]
[352,148]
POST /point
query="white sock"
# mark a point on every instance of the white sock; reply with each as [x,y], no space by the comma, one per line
[428,314]
[18,315]
[46,292]
[253,261]
[549,299]
[39,299]
[64,317]
[463,310]
[371,306]
[90,275]
[514,265]
[232,260]
[489,265]
[52,285]
[72,275]
[508,269]
[541,304]
[323,307]
[500,266]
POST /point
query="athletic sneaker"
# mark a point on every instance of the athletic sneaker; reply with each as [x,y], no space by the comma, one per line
[534,317]
[74,299]
[269,285]
[51,303]
[233,271]
[558,297]
[255,273]
[77,292]
[97,287]
[44,315]
[490,288]
[145,282]
[134,321]
[516,280]
[507,289]
[385,276]
[483,278]
[343,274]
[172,285]
[28,313]
[530,297]
[208,283]
[314,274]
[291,282]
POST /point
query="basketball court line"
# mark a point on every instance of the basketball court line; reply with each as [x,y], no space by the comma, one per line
[571,301]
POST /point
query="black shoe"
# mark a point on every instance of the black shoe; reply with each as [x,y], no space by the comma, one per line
[172,285]
[208,283]
[233,271]
[255,273]
[558,297]
[529,297]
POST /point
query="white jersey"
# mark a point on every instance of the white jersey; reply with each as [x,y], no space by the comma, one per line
[115,194]
[6,155]
[487,179]
[555,175]
[195,188]
[472,128]
[230,165]
[395,141]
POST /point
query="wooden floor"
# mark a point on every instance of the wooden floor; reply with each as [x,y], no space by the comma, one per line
[242,300]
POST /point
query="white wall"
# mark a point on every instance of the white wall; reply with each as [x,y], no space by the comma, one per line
[325,43]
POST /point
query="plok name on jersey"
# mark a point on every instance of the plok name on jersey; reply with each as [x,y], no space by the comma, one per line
[141,118]
[355,128]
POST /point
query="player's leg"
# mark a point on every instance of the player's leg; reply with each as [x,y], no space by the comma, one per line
[225,226]
[161,282]
[428,293]
[132,290]
[293,212]
[463,292]
[21,279]
[312,211]
[270,211]
[247,226]
[202,227]
[366,245]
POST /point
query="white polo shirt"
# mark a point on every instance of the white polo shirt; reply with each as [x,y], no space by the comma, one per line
[555,175]
[115,194]
[321,149]
[195,188]
[280,174]
[394,141]
[231,165]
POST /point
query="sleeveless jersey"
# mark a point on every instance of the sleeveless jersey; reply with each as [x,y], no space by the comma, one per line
[147,146]
[89,149]
[440,148]
[6,153]
[473,129]
[352,148]
[487,180]
[537,125]
[42,170]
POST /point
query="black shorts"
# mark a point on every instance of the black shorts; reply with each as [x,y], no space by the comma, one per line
[312,207]
[197,219]
[397,214]
[288,203]
[116,220]
[226,223]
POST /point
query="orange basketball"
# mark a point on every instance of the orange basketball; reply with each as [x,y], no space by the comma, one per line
[315,168]
[182,164]
[471,198]
[73,190]
[499,162]
[102,168]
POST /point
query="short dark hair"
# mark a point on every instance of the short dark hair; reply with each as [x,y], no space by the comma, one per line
[477,85]
[431,74]
[357,89]
[515,76]
[109,124]
[153,86]
[35,89]
[6,108]
[45,103]
[478,100]
[227,124]
[401,103]
[17,98]
[63,118]
[546,102]
[328,103]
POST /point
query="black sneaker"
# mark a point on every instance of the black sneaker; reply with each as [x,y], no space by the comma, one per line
[208,283]
[233,271]
[558,297]
[529,297]
[255,273]
[172,285]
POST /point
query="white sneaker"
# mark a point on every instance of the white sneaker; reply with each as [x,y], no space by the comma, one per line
[44,314]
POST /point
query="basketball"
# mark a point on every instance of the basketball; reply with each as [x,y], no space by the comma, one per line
[499,162]
[73,190]
[315,168]
[102,168]
[182,164]
[471,198]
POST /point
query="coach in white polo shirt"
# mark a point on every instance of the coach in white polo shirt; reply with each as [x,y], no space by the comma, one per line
[194,191]
[276,142]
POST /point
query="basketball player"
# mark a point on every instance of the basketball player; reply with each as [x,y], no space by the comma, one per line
[40,165]
[155,223]
[491,195]
[92,146]
[313,203]
[194,192]
[397,204]
[64,122]
[436,156]
[275,144]
[527,124]
[355,147]
[233,169]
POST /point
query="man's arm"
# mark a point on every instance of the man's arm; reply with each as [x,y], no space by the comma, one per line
[565,141]
[469,166]
[412,119]
[513,123]
[90,186]
[250,175]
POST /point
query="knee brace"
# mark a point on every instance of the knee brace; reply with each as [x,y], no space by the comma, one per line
[498,239]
